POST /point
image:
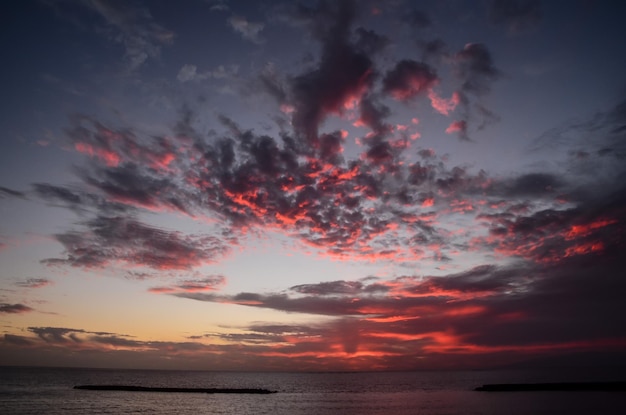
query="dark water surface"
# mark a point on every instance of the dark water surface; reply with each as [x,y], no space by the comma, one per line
[50,391]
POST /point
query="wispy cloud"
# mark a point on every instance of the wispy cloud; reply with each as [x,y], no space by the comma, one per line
[210,283]
[34,283]
[248,30]
[6,192]
[123,23]
[190,73]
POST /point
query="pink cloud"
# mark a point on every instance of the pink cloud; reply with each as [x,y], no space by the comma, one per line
[441,105]
[109,157]
[457,127]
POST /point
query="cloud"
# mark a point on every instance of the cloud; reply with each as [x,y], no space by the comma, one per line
[344,73]
[19,341]
[63,335]
[248,30]
[210,283]
[441,105]
[329,288]
[135,29]
[516,15]
[189,73]
[487,309]
[79,200]
[548,235]
[598,138]
[546,255]
[248,179]
[459,127]
[370,42]
[486,315]
[532,185]
[131,26]
[112,240]
[6,192]
[506,251]
[380,299]
[14,308]
[34,283]
[476,69]
[373,114]
[290,182]
[218,5]
[408,79]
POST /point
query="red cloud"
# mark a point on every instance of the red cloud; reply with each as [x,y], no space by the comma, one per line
[582,230]
[441,105]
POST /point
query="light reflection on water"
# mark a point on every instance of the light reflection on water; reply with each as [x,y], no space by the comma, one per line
[49,391]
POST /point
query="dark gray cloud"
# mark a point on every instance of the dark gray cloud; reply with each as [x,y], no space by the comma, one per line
[343,72]
[329,288]
[533,185]
[60,335]
[372,113]
[408,79]
[112,239]
[79,200]
[14,308]
[370,42]
[19,341]
[475,68]
[476,71]
[6,192]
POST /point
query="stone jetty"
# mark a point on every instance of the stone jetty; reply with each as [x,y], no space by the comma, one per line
[129,388]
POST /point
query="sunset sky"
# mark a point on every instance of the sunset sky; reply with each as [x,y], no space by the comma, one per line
[323,185]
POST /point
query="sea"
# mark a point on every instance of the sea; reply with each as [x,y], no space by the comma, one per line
[29,390]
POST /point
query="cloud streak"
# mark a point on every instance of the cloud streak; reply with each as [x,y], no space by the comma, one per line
[34,283]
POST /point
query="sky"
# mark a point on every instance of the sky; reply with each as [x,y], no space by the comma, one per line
[315,185]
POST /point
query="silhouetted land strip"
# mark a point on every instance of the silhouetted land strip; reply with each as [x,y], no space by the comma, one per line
[562,386]
[172,390]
